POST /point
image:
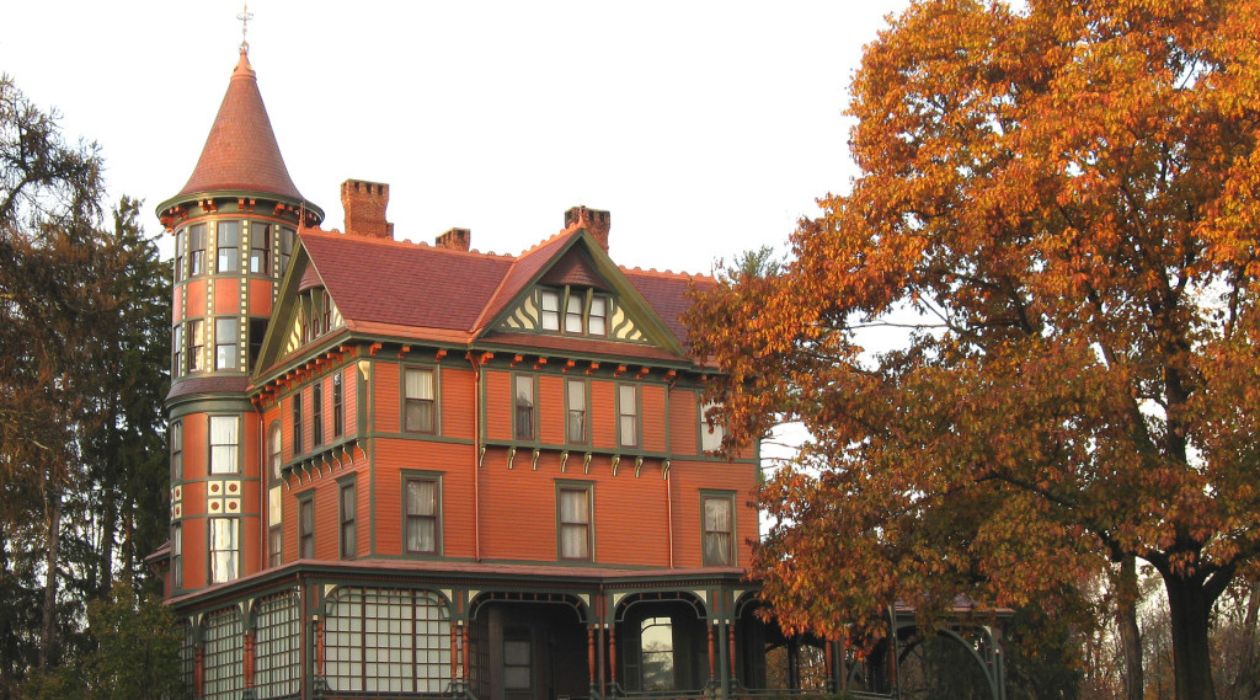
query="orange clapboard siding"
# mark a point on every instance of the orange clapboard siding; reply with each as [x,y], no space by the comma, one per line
[395,457]
[653,402]
[227,297]
[689,479]
[196,445]
[518,509]
[177,306]
[386,403]
[194,552]
[551,409]
[498,402]
[458,402]
[350,393]
[683,422]
[259,297]
[603,414]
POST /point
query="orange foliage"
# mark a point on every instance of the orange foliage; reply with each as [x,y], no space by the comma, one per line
[1063,204]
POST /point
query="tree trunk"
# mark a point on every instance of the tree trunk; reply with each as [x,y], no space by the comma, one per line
[52,523]
[109,521]
[1188,608]
[1246,686]
[1130,636]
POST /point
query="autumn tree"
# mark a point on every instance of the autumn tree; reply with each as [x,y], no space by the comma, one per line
[1057,209]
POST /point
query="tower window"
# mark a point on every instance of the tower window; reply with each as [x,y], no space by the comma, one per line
[286,248]
[257,330]
[196,249]
[225,354]
[180,237]
[177,450]
[224,444]
[259,248]
[177,351]
[196,342]
[229,246]
[225,550]
[177,556]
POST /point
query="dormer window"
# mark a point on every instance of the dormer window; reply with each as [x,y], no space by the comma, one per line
[585,312]
[317,314]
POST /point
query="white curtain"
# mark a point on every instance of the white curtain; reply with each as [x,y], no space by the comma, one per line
[717,530]
[419,384]
[421,516]
[224,439]
[575,518]
[224,549]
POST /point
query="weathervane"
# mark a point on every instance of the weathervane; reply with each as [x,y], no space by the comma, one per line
[245,17]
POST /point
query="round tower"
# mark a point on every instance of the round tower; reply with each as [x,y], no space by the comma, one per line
[235,224]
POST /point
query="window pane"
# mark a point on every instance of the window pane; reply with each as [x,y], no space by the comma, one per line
[229,237]
[524,407]
[223,444]
[419,384]
[573,315]
[421,535]
[717,514]
[629,438]
[550,311]
[574,542]
[598,315]
[419,416]
[421,497]
[574,506]
[225,354]
[277,459]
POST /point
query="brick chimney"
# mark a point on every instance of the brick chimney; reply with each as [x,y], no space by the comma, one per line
[595,221]
[364,204]
[455,239]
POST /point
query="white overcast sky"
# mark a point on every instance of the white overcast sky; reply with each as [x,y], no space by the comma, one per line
[706,128]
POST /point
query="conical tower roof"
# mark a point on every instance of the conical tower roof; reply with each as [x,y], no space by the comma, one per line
[241,153]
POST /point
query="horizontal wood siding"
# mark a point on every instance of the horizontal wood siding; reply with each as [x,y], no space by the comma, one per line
[196,302]
[652,403]
[551,409]
[458,401]
[683,422]
[350,399]
[603,414]
[498,398]
[454,462]
[692,477]
[386,404]
[177,306]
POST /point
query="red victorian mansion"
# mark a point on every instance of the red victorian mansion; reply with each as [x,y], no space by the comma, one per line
[405,469]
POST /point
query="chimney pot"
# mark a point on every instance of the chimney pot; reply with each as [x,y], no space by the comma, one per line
[364,204]
[455,239]
[597,222]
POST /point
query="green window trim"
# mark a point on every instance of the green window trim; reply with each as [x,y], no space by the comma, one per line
[569,520]
[419,404]
[419,476]
[709,548]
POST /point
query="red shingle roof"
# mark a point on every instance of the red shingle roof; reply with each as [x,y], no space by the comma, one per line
[241,152]
[405,289]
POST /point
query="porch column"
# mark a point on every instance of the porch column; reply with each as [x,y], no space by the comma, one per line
[199,671]
[590,657]
[612,658]
[454,652]
[247,660]
[724,652]
[829,649]
[730,644]
[712,667]
[463,675]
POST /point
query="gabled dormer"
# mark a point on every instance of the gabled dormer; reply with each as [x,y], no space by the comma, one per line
[570,288]
[305,312]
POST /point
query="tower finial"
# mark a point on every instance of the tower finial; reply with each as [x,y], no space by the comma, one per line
[245,17]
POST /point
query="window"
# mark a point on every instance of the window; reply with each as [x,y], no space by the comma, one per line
[224,442]
[386,642]
[421,511]
[711,432]
[177,556]
[551,311]
[177,450]
[286,248]
[575,522]
[196,341]
[225,354]
[277,650]
[317,414]
[276,451]
[196,249]
[575,424]
[517,664]
[719,530]
[339,414]
[223,661]
[628,415]
[348,536]
[597,322]
[419,401]
[228,246]
[524,407]
[179,255]
[257,329]
[259,248]
[177,351]
[306,527]
[573,314]
[275,522]
[297,422]
[656,648]
[225,550]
